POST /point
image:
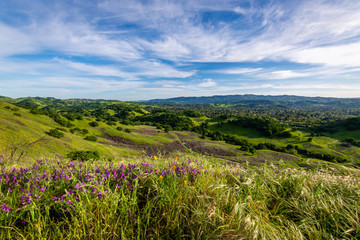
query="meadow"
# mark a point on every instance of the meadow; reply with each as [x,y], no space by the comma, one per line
[185,197]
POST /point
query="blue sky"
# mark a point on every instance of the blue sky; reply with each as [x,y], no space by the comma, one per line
[138,50]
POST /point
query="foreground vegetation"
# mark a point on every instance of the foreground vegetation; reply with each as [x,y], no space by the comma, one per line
[176,198]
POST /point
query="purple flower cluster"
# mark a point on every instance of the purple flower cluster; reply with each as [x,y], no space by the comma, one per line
[5,208]
[62,182]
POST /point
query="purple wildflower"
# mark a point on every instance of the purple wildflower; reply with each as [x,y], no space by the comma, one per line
[5,208]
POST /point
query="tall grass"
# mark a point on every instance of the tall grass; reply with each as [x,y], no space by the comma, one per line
[175,199]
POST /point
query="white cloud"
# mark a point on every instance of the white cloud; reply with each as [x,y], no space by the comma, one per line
[13,41]
[285,74]
[207,83]
[345,55]
[237,71]
[88,69]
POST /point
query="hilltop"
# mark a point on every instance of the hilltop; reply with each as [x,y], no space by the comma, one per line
[284,101]
[33,128]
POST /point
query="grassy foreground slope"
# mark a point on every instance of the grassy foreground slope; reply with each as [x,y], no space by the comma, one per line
[182,198]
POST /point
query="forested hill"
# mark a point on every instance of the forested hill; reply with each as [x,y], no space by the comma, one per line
[249,99]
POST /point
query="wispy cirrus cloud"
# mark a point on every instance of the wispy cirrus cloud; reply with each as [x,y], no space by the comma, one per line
[227,44]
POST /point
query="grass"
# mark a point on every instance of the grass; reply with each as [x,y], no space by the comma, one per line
[18,130]
[185,198]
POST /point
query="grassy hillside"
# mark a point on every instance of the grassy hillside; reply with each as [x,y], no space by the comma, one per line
[24,128]
[181,198]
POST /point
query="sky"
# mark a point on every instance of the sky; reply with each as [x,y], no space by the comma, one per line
[140,50]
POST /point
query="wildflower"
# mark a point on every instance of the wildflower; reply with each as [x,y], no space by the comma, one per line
[100,195]
[69,202]
[176,158]
[9,189]
[24,222]
[174,167]
[161,177]
[42,189]
[155,157]
[5,208]
[37,196]
[184,181]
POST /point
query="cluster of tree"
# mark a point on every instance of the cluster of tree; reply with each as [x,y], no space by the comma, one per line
[167,118]
[55,132]
[244,144]
[351,141]
[84,155]
[294,149]
[268,126]
[350,124]
[72,116]
[91,138]
[78,130]
[15,109]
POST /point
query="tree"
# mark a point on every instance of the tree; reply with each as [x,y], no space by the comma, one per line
[93,124]
[55,133]
[91,138]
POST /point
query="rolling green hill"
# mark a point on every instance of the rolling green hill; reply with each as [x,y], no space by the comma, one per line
[128,129]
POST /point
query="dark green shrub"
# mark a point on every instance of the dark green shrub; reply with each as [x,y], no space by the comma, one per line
[127,130]
[91,138]
[73,130]
[84,155]
[119,128]
[55,133]
[17,114]
[84,131]
[93,124]
[111,123]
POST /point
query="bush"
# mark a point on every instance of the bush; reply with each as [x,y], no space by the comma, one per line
[111,123]
[119,128]
[17,114]
[91,138]
[93,124]
[84,155]
[55,133]
[127,130]
[84,131]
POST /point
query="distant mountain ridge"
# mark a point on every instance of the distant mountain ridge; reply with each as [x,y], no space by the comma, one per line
[285,100]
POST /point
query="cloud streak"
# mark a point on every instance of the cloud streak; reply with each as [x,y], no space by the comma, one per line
[209,45]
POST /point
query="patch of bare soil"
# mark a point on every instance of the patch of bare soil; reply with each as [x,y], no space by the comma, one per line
[309,145]
[199,147]
[146,131]
[189,135]
[164,149]
[117,140]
